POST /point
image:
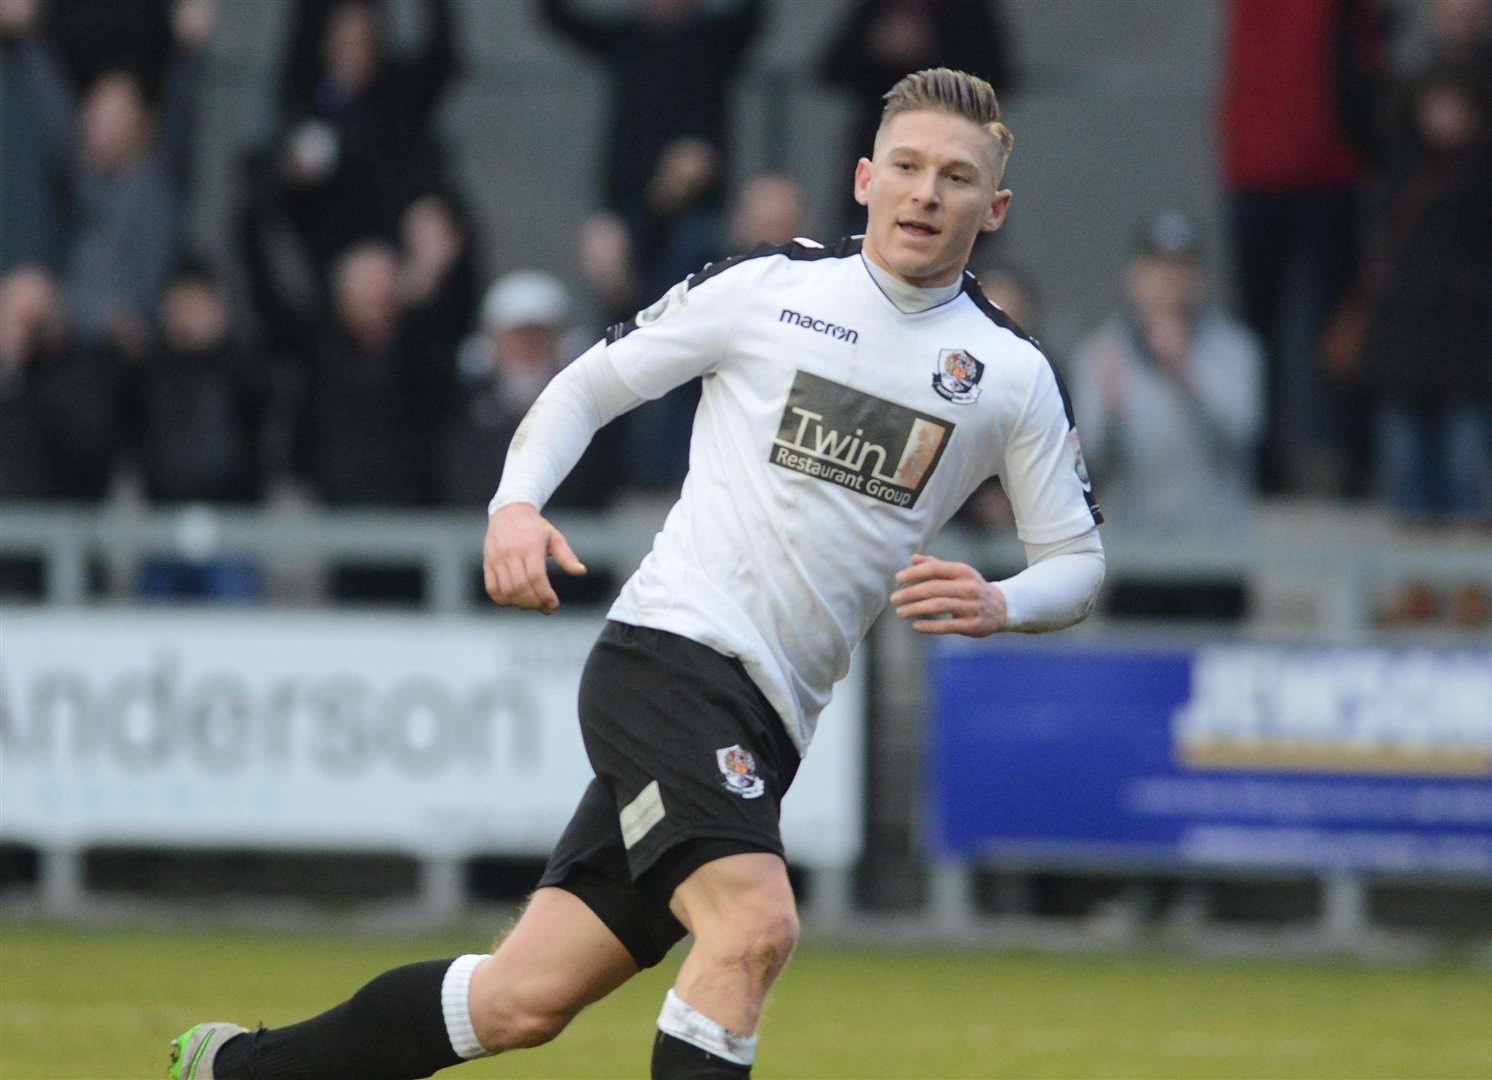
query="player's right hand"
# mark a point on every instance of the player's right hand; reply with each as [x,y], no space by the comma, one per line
[518,541]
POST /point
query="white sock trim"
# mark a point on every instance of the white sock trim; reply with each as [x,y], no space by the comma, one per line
[454,991]
[696,1029]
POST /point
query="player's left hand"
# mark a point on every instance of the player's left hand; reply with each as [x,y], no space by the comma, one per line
[948,598]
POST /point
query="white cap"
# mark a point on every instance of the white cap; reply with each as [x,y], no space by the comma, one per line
[526,298]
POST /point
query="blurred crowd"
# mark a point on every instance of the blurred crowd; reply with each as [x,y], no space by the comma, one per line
[356,344]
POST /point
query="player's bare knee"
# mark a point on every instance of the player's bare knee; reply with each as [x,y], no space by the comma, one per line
[774,936]
[527,1027]
[757,938]
[505,1021]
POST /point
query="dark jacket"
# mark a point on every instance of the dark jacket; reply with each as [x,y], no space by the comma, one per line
[370,421]
[1430,341]
[61,422]
[200,434]
[474,446]
[666,82]
[387,152]
[971,35]
[98,36]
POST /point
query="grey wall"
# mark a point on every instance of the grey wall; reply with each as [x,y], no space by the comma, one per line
[1114,119]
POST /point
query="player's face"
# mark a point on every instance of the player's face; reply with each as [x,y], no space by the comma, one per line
[931,190]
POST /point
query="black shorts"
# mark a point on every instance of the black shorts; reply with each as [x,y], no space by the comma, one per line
[691,765]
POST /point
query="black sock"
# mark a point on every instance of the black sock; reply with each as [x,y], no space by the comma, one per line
[391,1029]
[674,1059]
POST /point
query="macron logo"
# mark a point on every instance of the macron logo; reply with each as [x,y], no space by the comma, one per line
[819,326]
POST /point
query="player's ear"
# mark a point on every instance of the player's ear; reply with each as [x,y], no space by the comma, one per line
[862,181]
[997,210]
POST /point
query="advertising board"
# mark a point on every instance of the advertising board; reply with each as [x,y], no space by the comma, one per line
[437,736]
[1299,757]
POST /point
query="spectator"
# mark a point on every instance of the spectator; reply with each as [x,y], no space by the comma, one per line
[1425,310]
[60,420]
[34,162]
[879,41]
[434,297]
[201,400]
[1169,403]
[524,341]
[96,37]
[358,144]
[1170,382]
[32,339]
[437,274]
[1462,32]
[604,255]
[1011,290]
[1299,108]
[768,211]
[632,261]
[372,401]
[671,66]
[303,60]
[201,406]
[680,229]
[125,178]
[372,411]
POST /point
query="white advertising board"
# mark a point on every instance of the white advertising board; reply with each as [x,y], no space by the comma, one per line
[436,736]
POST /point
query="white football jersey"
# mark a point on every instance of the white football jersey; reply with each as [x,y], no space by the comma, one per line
[835,436]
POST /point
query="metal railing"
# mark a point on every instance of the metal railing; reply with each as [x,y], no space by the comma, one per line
[1339,561]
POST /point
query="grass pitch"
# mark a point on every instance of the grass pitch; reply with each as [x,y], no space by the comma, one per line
[102,1004]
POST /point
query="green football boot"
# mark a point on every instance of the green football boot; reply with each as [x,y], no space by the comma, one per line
[193,1052]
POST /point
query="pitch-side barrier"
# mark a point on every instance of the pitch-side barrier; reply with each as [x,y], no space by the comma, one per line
[286,727]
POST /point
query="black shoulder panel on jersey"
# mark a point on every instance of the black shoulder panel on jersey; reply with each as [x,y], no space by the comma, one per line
[1005,322]
[993,313]
[616,331]
[846,248]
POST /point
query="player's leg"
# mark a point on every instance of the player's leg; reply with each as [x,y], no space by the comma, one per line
[559,958]
[571,946]
[741,912]
[416,1019]
[696,762]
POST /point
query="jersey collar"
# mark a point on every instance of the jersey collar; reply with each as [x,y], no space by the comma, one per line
[909,299]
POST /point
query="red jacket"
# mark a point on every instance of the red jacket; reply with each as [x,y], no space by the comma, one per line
[1281,118]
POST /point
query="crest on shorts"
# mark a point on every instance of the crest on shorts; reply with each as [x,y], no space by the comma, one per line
[738,768]
[957,376]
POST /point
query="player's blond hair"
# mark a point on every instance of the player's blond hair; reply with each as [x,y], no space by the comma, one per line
[957,93]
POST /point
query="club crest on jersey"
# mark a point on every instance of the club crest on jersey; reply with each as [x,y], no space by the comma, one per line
[1079,466]
[669,302]
[739,769]
[957,376]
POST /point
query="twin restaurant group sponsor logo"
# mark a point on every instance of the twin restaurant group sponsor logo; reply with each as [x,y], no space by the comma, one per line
[867,444]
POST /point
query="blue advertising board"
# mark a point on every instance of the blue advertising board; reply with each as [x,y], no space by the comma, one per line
[1320,758]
